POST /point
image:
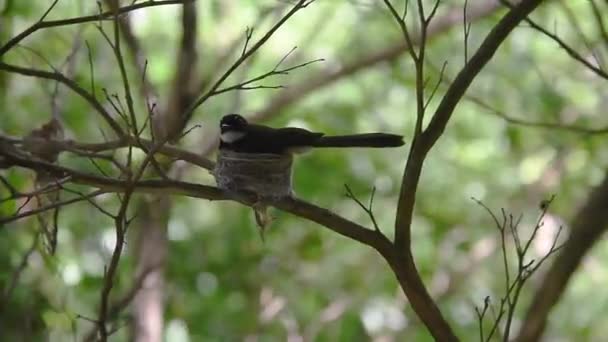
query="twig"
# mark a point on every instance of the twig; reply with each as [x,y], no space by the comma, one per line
[8,290]
[466,31]
[70,84]
[569,50]
[275,71]
[525,269]
[298,6]
[39,210]
[171,187]
[42,24]
[328,76]
[368,209]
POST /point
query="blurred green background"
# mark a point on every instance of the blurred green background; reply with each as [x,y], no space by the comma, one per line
[306,283]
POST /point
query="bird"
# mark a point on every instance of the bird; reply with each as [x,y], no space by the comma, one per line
[238,135]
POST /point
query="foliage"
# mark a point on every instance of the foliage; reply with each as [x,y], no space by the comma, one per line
[531,125]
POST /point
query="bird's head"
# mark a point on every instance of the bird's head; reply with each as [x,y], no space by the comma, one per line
[232,128]
[232,122]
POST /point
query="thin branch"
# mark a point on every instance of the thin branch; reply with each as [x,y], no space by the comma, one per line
[525,269]
[275,71]
[441,74]
[55,205]
[404,264]
[90,98]
[136,51]
[298,6]
[121,303]
[466,31]
[401,21]
[14,280]
[294,206]
[586,228]
[394,50]
[569,50]
[599,21]
[574,23]
[41,24]
[248,34]
[367,209]
[83,148]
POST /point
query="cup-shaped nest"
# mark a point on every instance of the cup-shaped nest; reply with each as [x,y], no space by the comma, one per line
[267,175]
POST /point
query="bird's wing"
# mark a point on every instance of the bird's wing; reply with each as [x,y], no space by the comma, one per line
[289,136]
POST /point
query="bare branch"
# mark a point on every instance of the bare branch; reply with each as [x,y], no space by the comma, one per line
[170,187]
[404,265]
[393,51]
[587,225]
[54,205]
[70,84]
[297,7]
[525,269]
[569,50]
[367,209]
[41,24]
[135,49]
[14,280]
[275,71]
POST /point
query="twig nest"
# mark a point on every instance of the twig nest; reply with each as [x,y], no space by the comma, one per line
[267,175]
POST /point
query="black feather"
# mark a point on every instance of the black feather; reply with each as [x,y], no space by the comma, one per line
[360,140]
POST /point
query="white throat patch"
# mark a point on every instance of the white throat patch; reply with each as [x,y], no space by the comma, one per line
[231,136]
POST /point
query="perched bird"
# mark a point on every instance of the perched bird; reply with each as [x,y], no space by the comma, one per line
[240,136]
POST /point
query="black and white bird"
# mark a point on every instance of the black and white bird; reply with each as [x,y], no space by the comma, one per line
[240,136]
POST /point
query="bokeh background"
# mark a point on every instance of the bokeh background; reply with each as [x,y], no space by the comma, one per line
[304,282]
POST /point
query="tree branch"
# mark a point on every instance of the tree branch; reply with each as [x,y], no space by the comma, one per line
[42,24]
[403,263]
[294,206]
[394,50]
[90,98]
[297,7]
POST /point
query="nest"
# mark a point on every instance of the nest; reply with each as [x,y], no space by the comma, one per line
[267,175]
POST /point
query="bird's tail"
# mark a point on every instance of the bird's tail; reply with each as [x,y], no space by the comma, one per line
[360,140]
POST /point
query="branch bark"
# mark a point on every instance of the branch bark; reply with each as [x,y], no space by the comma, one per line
[403,264]
[169,187]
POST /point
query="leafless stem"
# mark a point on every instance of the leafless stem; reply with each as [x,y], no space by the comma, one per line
[466,31]
[569,50]
[70,84]
[368,209]
[275,71]
[14,280]
[525,269]
[42,24]
[297,7]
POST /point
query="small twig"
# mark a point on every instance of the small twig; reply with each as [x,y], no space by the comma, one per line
[70,84]
[569,50]
[39,210]
[525,269]
[42,24]
[297,7]
[245,85]
[441,72]
[480,316]
[466,31]
[8,290]
[248,34]
[368,209]
[526,123]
